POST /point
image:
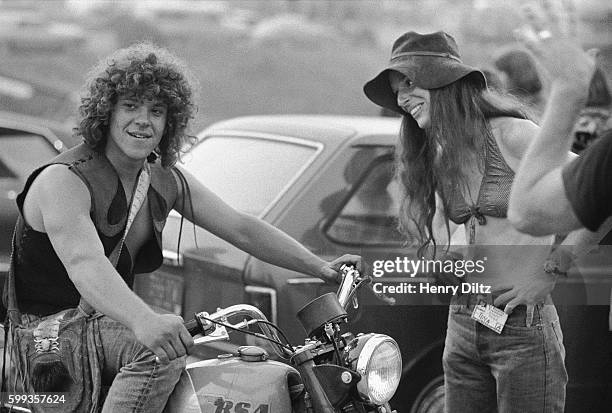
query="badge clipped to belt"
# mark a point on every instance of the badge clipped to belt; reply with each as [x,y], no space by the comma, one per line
[490,316]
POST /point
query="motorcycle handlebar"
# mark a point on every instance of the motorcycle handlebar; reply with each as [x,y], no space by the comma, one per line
[200,325]
[193,327]
[351,277]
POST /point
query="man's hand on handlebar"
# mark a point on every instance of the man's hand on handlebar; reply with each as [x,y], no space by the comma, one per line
[165,335]
[330,272]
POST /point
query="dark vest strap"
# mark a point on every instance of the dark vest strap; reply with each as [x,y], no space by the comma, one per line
[9,297]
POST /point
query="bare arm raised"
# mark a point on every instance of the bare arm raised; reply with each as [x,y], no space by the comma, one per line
[254,235]
[59,204]
[550,34]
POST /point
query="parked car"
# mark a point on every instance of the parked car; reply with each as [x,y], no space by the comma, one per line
[25,143]
[328,182]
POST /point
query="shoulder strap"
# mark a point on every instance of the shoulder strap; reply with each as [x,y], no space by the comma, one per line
[9,297]
[138,197]
[12,314]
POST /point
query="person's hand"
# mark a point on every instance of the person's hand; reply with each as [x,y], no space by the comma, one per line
[528,291]
[330,272]
[549,33]
[165,335]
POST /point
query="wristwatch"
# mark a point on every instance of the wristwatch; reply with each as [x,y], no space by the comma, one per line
[558,262]
[552,266]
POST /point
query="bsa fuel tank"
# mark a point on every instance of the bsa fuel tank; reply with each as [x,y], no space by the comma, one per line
[243,383]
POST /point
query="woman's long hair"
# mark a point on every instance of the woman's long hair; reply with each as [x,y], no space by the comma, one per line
[434,160]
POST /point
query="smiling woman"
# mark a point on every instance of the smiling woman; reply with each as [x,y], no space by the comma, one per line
[459,146]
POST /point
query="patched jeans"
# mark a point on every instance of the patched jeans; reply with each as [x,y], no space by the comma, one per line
[521,370]
[139,383]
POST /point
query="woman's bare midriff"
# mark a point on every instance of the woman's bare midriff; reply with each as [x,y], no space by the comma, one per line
[508,254]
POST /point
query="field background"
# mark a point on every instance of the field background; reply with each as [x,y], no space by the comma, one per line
[314,57]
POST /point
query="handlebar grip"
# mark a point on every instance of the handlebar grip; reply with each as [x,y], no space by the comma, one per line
[193,327]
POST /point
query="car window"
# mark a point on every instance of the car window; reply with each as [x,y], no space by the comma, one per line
[20,153]
[369,215]
[248,173]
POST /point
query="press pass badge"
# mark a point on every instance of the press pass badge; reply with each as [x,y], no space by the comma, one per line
[490,316]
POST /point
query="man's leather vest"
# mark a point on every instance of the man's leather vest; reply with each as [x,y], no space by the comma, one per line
[41,281]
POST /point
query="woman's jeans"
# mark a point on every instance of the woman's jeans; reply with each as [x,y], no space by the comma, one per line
[521,370]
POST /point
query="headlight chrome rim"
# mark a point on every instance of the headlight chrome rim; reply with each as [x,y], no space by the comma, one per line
[363,362]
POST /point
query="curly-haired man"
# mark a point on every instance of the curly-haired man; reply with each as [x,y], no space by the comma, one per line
[72,248]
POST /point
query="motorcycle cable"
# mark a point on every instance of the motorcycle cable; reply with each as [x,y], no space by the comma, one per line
[283,336]
[251,333]
[336,349]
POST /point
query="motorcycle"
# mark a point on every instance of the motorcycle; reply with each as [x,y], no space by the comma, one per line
[331,372]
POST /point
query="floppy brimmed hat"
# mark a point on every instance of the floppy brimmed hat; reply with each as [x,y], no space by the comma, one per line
[430,61]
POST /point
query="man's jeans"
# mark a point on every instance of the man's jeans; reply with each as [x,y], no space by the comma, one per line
[139,383]
[521,370]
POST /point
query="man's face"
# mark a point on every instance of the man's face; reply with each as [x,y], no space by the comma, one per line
[136,126]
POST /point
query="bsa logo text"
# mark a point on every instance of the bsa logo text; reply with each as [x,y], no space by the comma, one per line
[228,406]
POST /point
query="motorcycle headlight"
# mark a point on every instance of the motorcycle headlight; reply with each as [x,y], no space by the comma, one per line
[379,361]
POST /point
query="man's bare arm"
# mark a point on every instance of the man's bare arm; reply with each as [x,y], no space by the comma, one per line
[538,203]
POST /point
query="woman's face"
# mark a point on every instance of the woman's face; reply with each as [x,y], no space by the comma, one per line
[412,99]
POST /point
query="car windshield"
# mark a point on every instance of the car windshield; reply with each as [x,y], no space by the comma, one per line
[248,173]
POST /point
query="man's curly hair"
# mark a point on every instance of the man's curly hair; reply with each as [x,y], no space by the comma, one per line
[144,71]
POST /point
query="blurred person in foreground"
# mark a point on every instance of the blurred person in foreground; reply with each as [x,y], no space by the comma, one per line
[460,144]
[520,77]
[73,250]
[550,195]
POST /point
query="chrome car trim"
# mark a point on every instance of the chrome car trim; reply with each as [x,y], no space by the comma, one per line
[272,293]
[305,281]
[172,258]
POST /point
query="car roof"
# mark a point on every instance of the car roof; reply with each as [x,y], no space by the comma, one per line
[53,131]
[320,128]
